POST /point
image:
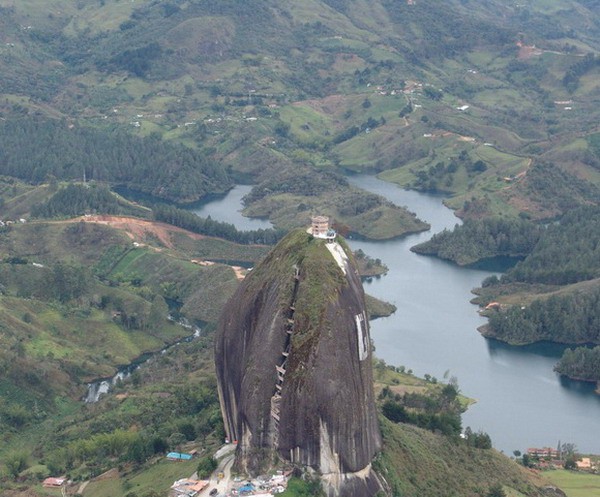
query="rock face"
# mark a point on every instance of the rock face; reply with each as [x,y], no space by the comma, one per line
[293,362]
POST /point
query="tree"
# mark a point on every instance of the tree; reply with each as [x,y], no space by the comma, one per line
[496,490]
[69,281]
[187,430]
[407,109]
[159,445]
[479,166]
[176,439]
[479,440]
[394,412]
[158,311]
[568,449]
[139,450]
[490,281]
[16,462]
[282,129]
[16,415]
[206,466]
[432,93]
[482,440]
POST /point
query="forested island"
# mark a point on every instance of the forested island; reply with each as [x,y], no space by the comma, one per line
[571,318]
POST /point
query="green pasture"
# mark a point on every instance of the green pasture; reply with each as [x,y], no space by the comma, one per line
[159,477]
[574,483]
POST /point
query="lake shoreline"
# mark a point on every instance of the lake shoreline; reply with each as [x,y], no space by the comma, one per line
[434,331]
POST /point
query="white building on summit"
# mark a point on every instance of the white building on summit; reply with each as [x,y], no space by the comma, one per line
[320,228]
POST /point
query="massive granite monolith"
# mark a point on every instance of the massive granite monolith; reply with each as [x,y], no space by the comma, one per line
[293,362]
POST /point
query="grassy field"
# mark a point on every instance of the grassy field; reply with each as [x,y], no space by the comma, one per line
[575,484]
[405,382]
[305,123]
[91,339]
[158,477]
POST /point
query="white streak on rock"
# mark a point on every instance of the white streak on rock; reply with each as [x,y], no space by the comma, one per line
[339,255]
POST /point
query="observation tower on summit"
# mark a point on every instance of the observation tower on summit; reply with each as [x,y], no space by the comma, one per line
[320,228]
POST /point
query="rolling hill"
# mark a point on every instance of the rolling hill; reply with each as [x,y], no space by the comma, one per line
[261,86]
[494,104]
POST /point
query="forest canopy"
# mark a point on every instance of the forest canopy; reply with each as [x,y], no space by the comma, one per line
[35,150]
[569,318]
[76,200]
[479,239]
[566,262]
[567,251]
[580,363]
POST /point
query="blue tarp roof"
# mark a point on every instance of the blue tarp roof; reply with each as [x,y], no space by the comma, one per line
[178,455]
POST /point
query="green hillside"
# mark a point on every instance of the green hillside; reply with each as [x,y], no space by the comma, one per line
[493,104]
[258,87]
[171,403]
[436,466]
[78,300]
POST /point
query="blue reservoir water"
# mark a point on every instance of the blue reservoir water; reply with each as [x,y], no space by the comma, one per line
[228,208]
[521,402]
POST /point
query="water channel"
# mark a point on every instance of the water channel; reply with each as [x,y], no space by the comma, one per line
[521,402]
[102,386]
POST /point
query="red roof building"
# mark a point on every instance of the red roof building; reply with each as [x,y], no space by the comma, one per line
[53,482]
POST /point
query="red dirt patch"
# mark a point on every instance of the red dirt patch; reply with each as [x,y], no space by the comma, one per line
[139,229]
[528,51]
[240,272]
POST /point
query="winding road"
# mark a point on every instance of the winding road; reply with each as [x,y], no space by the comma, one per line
[225,456]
